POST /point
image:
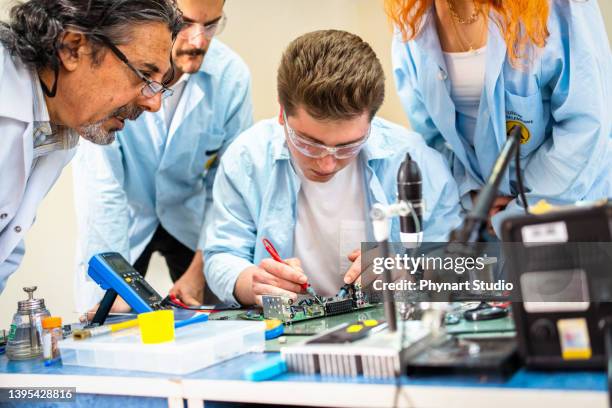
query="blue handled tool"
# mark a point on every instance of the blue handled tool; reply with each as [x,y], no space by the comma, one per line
[200,317]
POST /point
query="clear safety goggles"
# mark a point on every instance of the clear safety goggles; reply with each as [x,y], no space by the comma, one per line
[316,150]
[190,31]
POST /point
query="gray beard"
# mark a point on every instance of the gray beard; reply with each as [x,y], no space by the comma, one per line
[95,133]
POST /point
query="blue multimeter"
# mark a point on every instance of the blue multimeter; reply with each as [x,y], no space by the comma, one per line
[114,273]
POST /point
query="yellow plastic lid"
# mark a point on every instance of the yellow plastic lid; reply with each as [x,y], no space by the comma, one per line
[51,322]
[157,326]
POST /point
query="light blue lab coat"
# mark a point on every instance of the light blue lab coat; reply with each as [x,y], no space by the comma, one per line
[256,189]
[157,172]
[563,99]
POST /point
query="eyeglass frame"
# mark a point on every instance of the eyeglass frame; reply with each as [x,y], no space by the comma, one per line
[328,150]
[221,21]
[163,89]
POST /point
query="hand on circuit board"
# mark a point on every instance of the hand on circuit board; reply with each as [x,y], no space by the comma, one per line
[361,269]
[355,269]
[189,288]
[277,278]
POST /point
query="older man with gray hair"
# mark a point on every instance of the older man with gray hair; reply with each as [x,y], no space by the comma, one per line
[71,68]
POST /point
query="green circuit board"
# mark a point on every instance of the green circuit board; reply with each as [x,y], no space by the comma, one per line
[289,311]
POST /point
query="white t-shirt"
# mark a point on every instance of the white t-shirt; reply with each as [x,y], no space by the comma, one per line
[466,71]
[330,224]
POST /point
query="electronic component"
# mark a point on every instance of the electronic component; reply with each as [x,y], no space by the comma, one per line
[249,315]
[361,348]
[113,273]
[110,270]
[286,310]
[485,311]
[359,298]
[491,356]
[334,307]
[560,263]
[343,292]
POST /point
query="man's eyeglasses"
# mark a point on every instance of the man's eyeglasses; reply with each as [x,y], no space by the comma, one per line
[192,30]
[317,150]
[151,88]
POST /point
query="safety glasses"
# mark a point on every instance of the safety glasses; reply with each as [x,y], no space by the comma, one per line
[209,30]
[316,150]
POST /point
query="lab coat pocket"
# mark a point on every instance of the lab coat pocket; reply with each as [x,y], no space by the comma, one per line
[209,150]
[527,113]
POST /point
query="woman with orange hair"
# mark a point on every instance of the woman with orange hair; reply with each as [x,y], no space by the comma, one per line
[468,70]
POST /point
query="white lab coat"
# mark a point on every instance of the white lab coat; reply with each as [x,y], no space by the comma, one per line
[24,181]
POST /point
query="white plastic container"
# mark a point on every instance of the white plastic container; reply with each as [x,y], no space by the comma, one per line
[195,347]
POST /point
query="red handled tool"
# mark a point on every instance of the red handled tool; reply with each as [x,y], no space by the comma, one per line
[176,302]
[274,254]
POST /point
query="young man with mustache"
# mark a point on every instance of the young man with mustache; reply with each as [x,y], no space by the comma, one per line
[150,191]
[68,70]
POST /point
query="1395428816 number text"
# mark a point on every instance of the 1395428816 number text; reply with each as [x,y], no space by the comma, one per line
[59,394]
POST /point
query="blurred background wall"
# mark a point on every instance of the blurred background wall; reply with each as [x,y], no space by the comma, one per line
[259,31]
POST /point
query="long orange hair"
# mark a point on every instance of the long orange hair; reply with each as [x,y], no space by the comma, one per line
[522,22]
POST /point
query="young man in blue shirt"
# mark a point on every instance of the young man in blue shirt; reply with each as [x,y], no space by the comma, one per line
[307,180]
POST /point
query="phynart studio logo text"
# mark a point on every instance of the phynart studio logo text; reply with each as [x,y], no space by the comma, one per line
[426,285]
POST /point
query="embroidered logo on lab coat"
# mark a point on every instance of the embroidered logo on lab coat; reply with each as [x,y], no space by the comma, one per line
[525,135]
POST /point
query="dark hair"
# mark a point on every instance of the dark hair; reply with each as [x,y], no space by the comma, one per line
[332,74]
[35,27]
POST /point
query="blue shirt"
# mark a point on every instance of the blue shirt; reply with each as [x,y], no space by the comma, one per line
[161,173]
[561,100]
[256,189]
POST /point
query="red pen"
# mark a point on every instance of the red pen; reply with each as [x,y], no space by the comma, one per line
[274,254]
[272,251]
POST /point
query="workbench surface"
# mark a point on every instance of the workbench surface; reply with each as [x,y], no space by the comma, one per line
[223,382]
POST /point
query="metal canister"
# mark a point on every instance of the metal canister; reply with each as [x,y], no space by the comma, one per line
[25,334]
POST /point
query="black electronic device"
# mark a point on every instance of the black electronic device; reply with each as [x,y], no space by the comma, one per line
[485,311]
[410,190]
[475,221]
[561,263]
[491,356]
[464,240]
